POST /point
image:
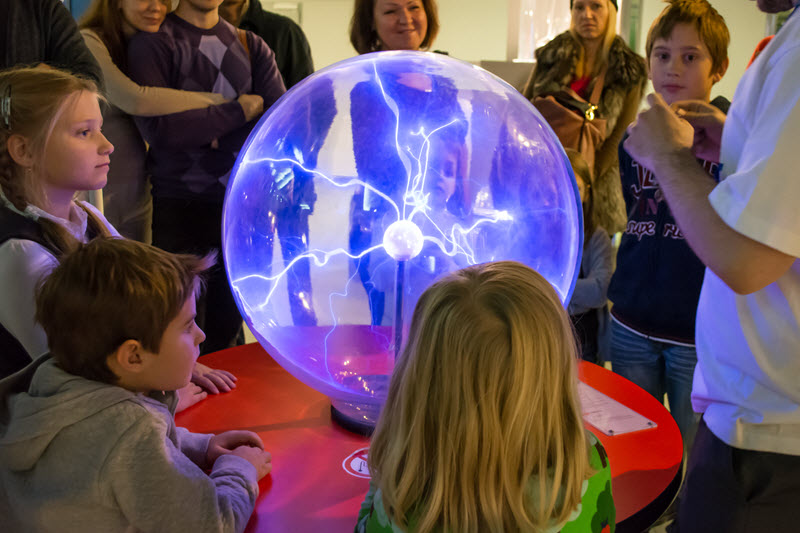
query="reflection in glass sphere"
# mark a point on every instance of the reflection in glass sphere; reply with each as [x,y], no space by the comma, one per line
[364,184]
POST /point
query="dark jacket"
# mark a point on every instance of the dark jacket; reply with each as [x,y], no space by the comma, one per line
[656,286]
[43,31]
[622,91]
[285,38]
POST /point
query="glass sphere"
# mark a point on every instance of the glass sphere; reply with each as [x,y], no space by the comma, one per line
[368,181]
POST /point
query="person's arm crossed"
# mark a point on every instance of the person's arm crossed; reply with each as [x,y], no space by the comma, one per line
[150,63]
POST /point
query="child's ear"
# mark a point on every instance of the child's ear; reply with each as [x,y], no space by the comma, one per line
[19,148]
[127,358]
[721,71]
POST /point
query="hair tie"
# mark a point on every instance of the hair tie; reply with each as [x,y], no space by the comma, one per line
[5,107]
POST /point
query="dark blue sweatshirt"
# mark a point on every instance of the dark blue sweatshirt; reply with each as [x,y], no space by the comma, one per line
[656,286]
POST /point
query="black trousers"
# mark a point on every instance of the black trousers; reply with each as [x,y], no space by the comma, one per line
[189,226]
[728,489]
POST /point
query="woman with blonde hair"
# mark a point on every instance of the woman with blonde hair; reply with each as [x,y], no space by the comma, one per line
[591,52]
[482,430]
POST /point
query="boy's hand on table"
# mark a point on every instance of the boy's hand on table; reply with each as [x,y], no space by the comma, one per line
[244,444]
[261,460]
[213,380]
[658,134]
[708,122]
[188,396]
[226,442]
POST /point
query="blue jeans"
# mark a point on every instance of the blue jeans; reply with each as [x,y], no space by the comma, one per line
[658,367]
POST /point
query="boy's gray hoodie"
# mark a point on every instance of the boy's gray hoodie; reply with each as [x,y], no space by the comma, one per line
[80,455]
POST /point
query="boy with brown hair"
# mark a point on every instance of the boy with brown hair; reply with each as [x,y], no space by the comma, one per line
[656,285]
[87,435]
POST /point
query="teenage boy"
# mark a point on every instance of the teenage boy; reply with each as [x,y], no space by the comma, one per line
[192,153]
[87,437]
[744,469]
[657,282]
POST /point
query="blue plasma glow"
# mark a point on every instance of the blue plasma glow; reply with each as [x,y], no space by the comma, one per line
[456,165]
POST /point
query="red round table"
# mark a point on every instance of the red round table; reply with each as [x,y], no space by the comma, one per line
[318,480]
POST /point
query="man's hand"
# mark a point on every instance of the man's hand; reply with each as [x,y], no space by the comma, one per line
[226,442]
[252,105]
[214,381]
[707,122]
[658,134]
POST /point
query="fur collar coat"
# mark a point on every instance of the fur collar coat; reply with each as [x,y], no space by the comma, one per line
[555,65]
[624,85]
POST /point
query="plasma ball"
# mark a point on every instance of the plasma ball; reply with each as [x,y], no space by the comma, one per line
[403,240]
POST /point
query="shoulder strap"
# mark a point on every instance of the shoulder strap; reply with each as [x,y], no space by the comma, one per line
[598,86]
[243,40]
[92,228]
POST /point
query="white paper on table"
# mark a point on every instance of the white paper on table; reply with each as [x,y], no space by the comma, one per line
[608,415]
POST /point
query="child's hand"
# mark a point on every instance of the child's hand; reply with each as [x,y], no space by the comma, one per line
[213,380]
[257,457]
[707,122]
[225,442]
[188,396]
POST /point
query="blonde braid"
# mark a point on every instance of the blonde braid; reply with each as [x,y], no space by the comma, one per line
[94,222]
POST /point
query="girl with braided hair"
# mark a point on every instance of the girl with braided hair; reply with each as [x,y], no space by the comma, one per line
[51,148]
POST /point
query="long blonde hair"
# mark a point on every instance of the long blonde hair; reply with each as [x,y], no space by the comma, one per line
[38,96]
[482,410]
[608,40]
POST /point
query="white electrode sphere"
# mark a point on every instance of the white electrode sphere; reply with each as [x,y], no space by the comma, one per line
[367,182]
[403,240]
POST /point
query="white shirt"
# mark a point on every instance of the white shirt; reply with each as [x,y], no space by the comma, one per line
[747,380]
[22,264]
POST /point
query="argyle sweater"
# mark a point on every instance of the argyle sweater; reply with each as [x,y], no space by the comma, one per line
[182,161]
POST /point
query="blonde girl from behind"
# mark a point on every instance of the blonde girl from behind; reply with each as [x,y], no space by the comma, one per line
[482,429]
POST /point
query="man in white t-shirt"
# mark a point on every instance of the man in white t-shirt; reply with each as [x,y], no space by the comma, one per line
[744,469]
